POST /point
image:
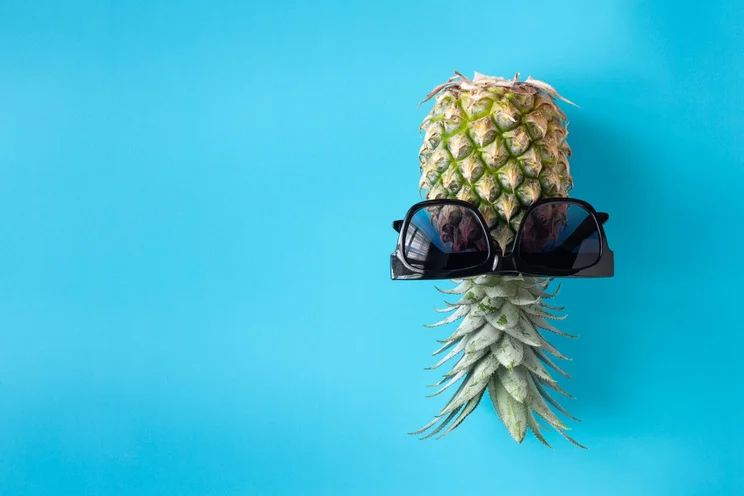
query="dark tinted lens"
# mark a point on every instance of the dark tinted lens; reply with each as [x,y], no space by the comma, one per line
[445,237]
[561,236]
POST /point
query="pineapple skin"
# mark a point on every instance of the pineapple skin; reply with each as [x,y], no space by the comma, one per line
[501,145]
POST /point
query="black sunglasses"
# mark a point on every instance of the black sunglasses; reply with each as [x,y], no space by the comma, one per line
[449,239]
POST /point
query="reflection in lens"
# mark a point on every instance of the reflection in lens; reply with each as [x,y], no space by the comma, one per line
[445,237]
[560,235]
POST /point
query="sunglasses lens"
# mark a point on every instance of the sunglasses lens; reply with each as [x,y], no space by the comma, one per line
[445,237]
[560,236]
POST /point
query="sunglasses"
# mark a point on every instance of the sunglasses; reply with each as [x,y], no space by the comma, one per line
[449,239]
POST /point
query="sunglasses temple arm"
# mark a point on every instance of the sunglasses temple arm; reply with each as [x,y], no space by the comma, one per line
[603,217]
[397,225]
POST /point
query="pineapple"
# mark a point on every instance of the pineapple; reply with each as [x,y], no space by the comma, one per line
[501,145]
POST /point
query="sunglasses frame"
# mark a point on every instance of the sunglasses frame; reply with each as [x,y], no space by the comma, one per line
[509,264]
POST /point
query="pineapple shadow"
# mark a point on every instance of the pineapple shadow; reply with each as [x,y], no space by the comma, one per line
[603,172]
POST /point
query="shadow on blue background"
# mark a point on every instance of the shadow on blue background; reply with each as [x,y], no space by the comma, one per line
[195,208]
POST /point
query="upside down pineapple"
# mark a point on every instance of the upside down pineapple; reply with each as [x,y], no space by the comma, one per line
[501,145]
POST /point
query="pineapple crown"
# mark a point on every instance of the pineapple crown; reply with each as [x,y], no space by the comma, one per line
[481,82]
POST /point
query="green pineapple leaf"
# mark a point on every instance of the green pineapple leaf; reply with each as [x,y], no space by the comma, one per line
[515,382]
[508,351]
[512,413]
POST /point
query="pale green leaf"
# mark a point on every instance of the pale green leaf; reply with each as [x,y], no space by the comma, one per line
[451,380]
[532,424]
[536,403]
[449,308]
[475,383]
[466,410]
[514,381]
[506,317]
[545,345]
[469,324]
[547,296]
[488,280]
[441,426]
[552,385]
[508,351]
[523,297]
[447,345]
[512,413]
[485,369]
[525,332]
[460,313]
[532,364]
[457,349]
[427,426]
[543,324]
[542,356]
[571,440]
[487,306]
[485,337]
[474,294]
[551,307]
[460,289]
[467,360]
[553,402]
[537,311]
[502,290]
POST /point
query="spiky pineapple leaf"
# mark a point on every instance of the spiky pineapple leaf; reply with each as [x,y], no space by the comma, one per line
[506,317]
[523,297]
[555,293]
[474,294]
[469,324]
[459,313]
[467,360]
[540,291]
[525,332]
[514,381]
[460,289]
[532,364]
[485,337]
[441,426]
[537,404]
[501,290]
[446,346]
[545,345]
[542,356]
[512,413]
[487,280]
[508,351]
[544,324]
[475,383]
[449,356]
[466,410]
[448,308]
[571,440]
[551,307]
[487,306]
[553,402]
[552,385]
[450,380]
[538,311]
[532,424]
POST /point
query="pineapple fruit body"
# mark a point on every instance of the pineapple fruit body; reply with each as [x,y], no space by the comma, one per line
[501,145]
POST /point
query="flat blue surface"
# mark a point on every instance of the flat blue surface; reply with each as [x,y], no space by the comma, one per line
[195,207]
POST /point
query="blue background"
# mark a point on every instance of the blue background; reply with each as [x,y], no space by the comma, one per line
[195,207]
